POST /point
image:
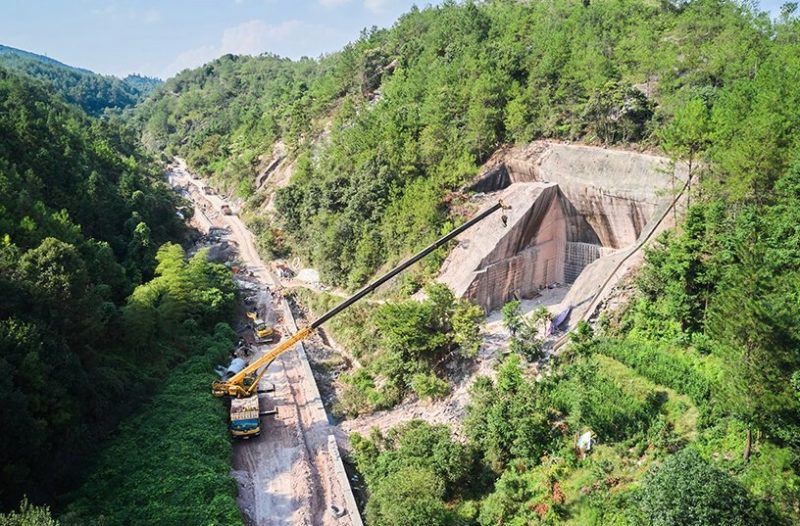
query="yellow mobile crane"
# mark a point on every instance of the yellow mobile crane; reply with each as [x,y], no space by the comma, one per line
[243,386]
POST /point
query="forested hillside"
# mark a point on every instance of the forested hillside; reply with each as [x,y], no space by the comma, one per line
[384,129]
[692,390]
[93,92]
[83,339]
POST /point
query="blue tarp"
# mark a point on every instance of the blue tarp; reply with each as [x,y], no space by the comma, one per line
[559,320]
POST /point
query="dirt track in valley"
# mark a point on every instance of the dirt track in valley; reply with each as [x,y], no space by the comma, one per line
[286,476]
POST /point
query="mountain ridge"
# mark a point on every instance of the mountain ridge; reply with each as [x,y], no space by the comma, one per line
[93,92]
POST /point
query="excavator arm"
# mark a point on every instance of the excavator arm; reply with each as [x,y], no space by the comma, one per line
[246,381]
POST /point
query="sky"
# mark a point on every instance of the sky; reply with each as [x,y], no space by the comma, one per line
[162,37]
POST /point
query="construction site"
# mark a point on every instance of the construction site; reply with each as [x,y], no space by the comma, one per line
[292,473]
[458,263]
[575,219]
[577,212]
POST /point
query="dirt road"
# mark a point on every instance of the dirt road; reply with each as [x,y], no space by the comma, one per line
[286,476]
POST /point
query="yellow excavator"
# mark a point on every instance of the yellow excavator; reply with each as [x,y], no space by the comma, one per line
[263,331]
[242,387]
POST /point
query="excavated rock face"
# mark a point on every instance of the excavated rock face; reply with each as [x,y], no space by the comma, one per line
[570,206]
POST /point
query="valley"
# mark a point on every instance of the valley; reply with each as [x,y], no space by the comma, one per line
[286,475]
[487,264]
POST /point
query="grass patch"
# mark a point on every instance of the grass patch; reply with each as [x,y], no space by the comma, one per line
[677,408]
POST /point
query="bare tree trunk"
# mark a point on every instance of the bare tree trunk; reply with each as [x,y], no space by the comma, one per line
[689,182]
[748,444]
[674,194]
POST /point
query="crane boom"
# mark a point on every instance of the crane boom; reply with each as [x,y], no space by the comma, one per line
[238,385]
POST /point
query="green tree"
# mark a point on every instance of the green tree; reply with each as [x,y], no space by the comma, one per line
[28,515]
[526,341]
[429,386]
[466,324]
[56,270]
[688,136]
[543,316]
[503,418]
[410,472]
[408,497]
[512,319]
[742,320]
[688,491]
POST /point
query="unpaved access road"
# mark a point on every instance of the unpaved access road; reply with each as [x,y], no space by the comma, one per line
[286,476]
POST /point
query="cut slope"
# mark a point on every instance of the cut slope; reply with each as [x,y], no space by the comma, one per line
[571,205]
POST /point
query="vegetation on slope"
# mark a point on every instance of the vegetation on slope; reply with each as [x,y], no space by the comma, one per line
[170,464]
[28,515]
[94,93]
[693,393]
[385,129]
[697,383]
[655,463]
[403,346]
[82,341]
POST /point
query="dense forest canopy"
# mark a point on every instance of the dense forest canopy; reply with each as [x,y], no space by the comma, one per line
[93,92]
[692,391]
[83,342]
[383,130]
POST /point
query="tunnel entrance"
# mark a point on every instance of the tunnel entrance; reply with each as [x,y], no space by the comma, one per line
[546,241]
[571,205]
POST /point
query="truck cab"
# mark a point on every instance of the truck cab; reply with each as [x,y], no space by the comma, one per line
[245,421]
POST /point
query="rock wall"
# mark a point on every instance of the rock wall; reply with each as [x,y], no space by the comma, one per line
[493,262]
[616,192]
[571,205]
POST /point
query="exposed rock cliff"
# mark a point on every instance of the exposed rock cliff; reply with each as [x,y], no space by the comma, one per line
[570,206]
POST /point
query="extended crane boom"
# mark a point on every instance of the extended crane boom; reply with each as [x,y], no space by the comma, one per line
[245,383]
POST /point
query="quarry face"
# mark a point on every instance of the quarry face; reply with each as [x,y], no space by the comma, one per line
[572,207]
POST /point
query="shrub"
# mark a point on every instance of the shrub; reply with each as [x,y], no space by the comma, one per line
[410,472]
[511,316]
[593,397]
[687,490]
[505,418]
[170,464]
[678,370]
[429,386]
[28,515]
[408,497]
[526,341]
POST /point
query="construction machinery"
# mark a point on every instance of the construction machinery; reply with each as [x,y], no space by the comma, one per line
[263,331]
[243,386]
[245,417]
